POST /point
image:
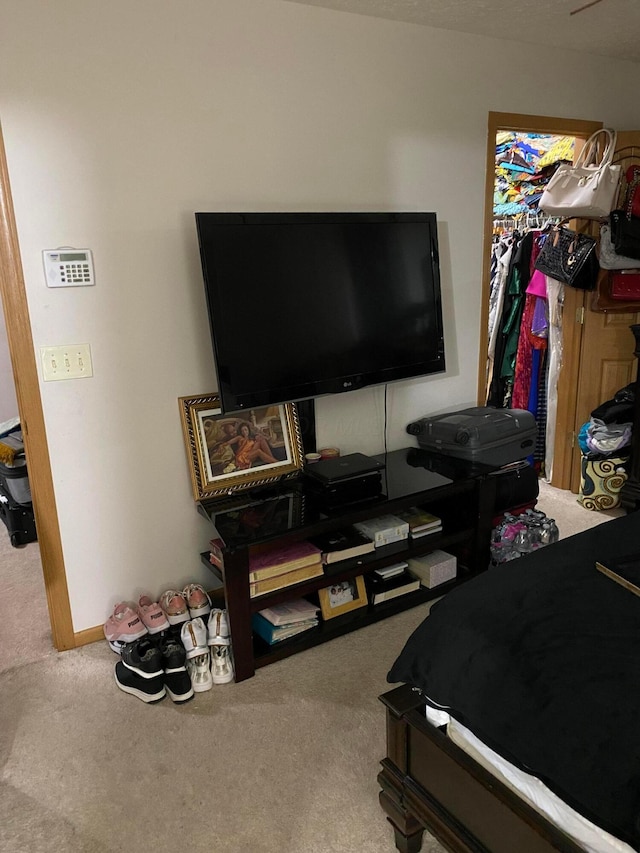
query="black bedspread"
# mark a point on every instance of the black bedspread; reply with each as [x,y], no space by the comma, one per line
[540,658]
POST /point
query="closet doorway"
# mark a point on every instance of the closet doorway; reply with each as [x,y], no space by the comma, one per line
[597,348]
[21,350]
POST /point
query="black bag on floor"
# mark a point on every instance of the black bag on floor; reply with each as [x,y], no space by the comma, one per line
[16,509]
[516,485]
[18,519]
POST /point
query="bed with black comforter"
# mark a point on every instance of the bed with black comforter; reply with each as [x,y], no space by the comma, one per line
[540,658]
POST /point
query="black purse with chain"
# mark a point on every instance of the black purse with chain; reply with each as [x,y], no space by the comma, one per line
[569,257]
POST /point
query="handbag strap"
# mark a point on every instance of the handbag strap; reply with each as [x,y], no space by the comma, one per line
[588,155]
[632,188]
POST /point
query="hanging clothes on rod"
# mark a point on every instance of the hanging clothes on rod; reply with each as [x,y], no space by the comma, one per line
[517,363]
[524,315]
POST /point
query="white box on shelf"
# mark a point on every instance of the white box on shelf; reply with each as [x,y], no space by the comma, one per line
[384,530]
[435,568]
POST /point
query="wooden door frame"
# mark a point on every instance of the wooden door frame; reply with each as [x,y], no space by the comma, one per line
[23,363]
[574,299]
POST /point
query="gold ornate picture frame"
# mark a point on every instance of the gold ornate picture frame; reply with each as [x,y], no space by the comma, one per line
[342,597]
[234,451]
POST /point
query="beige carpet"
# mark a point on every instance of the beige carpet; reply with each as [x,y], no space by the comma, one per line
[285,762]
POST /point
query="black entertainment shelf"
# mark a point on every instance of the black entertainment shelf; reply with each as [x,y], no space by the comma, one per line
[463,495]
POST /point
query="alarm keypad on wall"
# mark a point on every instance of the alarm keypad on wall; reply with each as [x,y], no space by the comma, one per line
[68,267]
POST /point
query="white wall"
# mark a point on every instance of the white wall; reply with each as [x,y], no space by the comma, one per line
[121,119]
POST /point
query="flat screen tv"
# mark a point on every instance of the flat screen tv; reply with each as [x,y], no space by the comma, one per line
[306,304]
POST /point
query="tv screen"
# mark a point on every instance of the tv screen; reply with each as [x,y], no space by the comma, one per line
[306,304]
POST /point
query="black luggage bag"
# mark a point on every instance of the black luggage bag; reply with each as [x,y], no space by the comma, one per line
[16,509]
[479,434]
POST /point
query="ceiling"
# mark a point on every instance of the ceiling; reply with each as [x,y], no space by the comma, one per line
[608,28]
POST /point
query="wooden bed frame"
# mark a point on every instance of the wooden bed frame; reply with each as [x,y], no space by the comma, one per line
[427,782]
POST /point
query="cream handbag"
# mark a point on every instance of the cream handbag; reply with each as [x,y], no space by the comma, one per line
[588,189]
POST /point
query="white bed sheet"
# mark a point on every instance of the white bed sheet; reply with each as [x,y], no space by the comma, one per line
[530,789]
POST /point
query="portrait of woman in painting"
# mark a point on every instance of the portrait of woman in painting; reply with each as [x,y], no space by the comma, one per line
[235,444]
[230,451]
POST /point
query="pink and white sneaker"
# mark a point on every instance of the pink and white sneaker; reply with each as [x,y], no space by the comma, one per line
[175,606]
[197,599]
[124,625]
[152,615]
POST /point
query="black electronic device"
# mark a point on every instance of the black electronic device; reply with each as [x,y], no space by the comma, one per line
[346,479]
[341,468]
[306,304]
[341,493]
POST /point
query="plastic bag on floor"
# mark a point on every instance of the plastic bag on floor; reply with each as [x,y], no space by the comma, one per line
[521,534]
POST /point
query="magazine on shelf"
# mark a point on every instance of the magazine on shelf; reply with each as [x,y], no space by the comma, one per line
[296,610]
[271,633]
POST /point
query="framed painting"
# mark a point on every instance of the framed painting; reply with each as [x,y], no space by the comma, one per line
[234,451]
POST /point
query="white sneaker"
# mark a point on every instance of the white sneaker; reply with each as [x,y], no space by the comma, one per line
[194,638]
[200,673]
[219,628]
[221,664]
[197,599]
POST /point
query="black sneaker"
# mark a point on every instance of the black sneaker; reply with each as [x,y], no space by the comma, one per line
[149,690]
[143,658]
[173,653]
[176,677]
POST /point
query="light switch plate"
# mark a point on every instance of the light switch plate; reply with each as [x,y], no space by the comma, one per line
[70,361]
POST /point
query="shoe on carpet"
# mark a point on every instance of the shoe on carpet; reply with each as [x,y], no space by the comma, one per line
[124,625]
[176,678]
[179,687]
[194,638]
[175,607]
[218,628]
[143,657]
[221,664]
[116,646]
[149,690]
[153,616]
[197,599]
[200,672]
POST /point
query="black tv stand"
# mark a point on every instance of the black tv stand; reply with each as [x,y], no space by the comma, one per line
[461,494]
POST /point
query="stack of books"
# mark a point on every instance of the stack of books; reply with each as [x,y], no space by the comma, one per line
[421,522]
[341,545]
[283,621]
[216,553]
[390,582]
[283,565]
[388,533]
